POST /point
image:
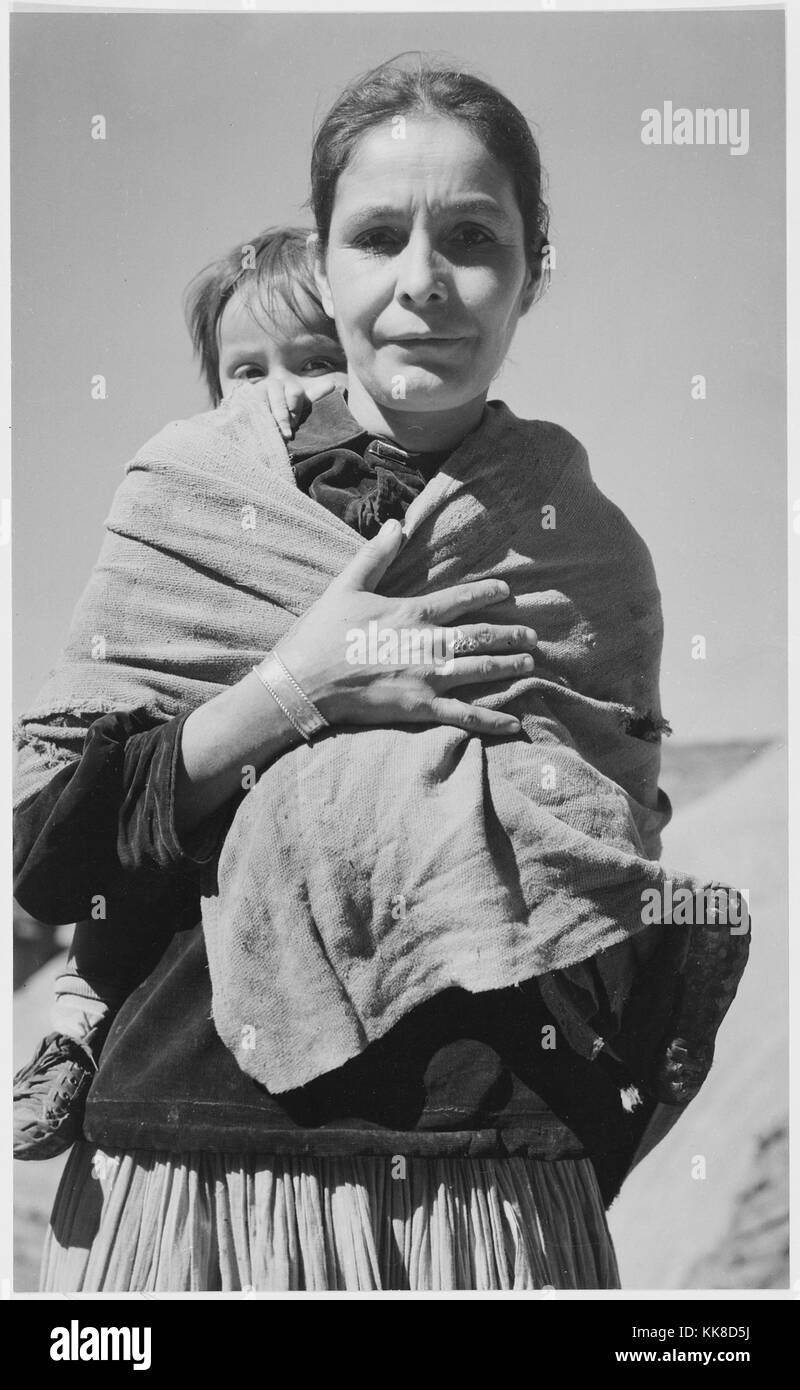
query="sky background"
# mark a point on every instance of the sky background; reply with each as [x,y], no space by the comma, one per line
[670,262]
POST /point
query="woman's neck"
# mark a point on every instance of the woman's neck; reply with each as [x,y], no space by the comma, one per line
[421,432]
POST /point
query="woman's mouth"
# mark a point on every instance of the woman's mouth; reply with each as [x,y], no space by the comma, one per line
[426,340]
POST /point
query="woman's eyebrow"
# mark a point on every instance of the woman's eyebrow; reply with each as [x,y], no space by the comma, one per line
[374,212]
[477,206]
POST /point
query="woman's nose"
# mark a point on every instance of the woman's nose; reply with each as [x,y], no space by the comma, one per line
[419,277]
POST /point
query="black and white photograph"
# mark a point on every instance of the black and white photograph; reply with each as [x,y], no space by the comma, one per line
[399,635]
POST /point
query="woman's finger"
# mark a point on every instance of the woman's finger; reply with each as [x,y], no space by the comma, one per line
[366,570]
[474,718]
[448,604]
[491,637]
[476,669]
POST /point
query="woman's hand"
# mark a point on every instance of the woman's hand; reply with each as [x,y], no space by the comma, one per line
[321,649]
[243,729]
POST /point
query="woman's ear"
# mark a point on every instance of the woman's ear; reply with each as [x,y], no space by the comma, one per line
[317,255]
[528,293]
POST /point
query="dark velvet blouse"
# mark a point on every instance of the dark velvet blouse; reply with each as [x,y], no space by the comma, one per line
[461,1075]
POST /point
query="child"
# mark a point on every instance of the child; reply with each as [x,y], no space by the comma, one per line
[253,316]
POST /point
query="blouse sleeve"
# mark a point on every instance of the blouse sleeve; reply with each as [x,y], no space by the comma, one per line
[106,825]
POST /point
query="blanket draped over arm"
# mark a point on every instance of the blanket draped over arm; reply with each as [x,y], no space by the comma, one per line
[376,867]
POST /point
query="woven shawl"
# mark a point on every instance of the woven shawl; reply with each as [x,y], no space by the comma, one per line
[376,867]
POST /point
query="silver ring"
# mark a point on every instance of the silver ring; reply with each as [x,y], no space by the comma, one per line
[465,644]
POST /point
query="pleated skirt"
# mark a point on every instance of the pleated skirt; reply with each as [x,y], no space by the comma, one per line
[146,1221]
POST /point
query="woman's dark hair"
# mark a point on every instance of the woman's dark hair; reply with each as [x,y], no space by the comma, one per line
[274,268]
[431,89]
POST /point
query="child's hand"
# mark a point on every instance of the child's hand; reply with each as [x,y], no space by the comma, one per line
[287,399]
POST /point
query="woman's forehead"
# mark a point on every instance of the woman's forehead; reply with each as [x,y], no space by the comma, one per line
[437,161]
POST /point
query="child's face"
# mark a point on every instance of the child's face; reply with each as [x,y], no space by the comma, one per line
[277,348]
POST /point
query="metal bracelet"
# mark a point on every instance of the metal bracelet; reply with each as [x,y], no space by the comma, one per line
[290,697]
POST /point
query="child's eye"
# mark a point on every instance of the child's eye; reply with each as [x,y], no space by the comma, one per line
[318,366]
[250,371]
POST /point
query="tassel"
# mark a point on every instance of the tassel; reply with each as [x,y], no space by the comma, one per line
[630,1095]
[631,1098]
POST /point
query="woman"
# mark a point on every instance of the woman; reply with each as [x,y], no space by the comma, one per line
[455,1150]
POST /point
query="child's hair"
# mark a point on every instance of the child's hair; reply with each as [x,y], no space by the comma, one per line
[274,268]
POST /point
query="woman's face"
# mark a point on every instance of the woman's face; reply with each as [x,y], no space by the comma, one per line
[425,271]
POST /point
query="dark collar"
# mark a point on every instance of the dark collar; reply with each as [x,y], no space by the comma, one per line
[328,425]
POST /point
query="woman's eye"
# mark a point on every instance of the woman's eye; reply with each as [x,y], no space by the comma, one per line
[472,236]
[249,372]
[381,240]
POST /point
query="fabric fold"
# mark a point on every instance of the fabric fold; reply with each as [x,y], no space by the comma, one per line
[151,1222]
[377,867]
